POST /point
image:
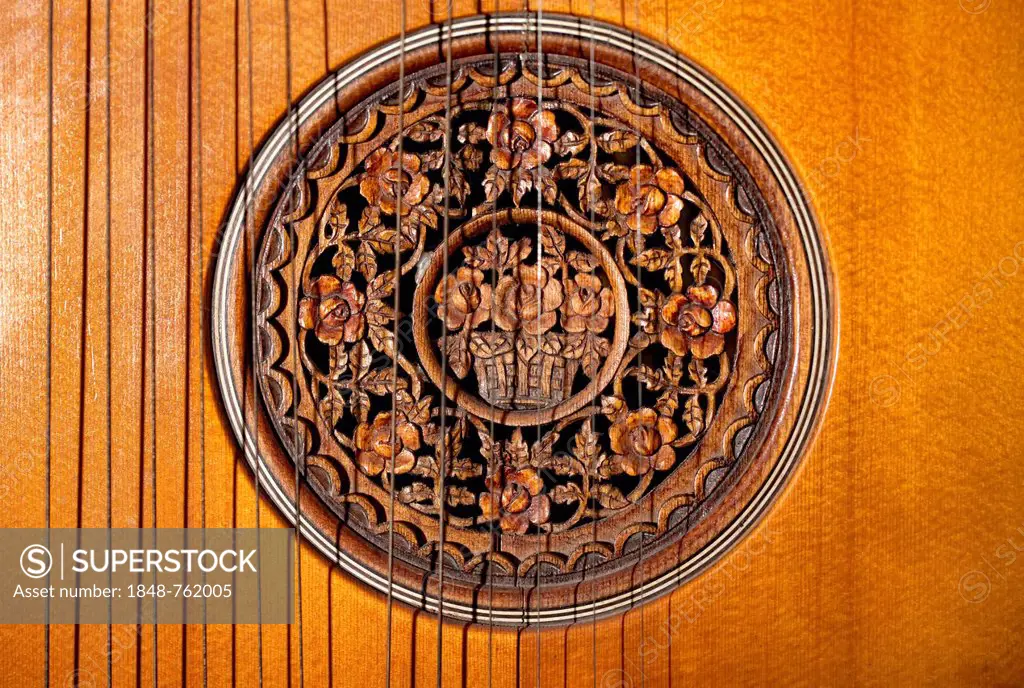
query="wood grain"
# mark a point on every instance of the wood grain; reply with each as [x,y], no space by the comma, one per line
[902,120]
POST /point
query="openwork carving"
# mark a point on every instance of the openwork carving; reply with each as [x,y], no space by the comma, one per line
[592,353]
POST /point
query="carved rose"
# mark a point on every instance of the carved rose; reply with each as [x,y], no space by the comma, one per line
[519,499]
[468,299]
[641,442]
[527,299]
[333,310]
[588,304]
[650,199]
[513,136]
[696,321]
[385,180]
[374,448]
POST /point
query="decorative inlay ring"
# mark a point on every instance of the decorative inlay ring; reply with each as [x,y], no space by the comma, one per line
[682,310]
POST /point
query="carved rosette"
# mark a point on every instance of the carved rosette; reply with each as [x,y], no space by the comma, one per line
[588,338]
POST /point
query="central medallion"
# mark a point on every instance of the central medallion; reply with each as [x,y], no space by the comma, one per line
[526,341]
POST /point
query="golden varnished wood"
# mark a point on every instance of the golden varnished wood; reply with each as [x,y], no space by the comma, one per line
[900,119]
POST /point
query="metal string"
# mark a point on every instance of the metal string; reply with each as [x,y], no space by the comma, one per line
[49,320]
[639,286]
[298,445]
[151,215]
[109,447]
[537,288]
[202,306]
[394,355]
[444,348]
[255,402]
[493,470]
[592,218]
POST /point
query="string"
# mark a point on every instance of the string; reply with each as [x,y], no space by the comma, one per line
[49,321]
[592,218]
[639,286]
[444,347]
[298,445]
[537,288]
[639,250]
[251,231]
[202,307]
[394,357]
[492,469]
[151,214]
[109,447]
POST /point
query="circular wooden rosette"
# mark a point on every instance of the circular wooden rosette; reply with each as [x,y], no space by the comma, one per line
[617,353]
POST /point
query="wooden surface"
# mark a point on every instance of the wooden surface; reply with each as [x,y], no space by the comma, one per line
[903,121]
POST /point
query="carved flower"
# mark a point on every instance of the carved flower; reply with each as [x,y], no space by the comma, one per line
[333,310]
[513,136]
[641,442]
[697,322]
[527,299]
[588,304]
[650,199]
[385,180]
[374,447]
[468,299]
[519,499]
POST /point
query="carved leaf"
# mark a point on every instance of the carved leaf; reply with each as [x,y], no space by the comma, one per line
[478,257]
[552,241]
[464,469]
[369,219]
[382,339]
[667,404]
[378,382]
[542,449]
[366,260]
[699,268]
[648,298]
[495,183]
[458,356]
[568,493]
[522,182]
[653,259]
[698,228]
[651,378]
[359,360]
[460,496]
[614,407]
[693,415]
[360,404]
[613,173]
[417,492]
[517,449]
[344,261]
[339,219]
[674,276]
[586,447]
[425,131]
[698,373]
[583,262]
[610,497]
[420,412]
[571,143]
[380,286]
[617,141]
[571,169]
[471,133]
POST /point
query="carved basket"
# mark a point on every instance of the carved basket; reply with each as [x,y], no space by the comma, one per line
[514,374]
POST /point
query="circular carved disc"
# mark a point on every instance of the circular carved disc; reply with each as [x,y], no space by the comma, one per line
[599,355]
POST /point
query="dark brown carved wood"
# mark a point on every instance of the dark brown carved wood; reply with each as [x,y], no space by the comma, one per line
[626,388]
